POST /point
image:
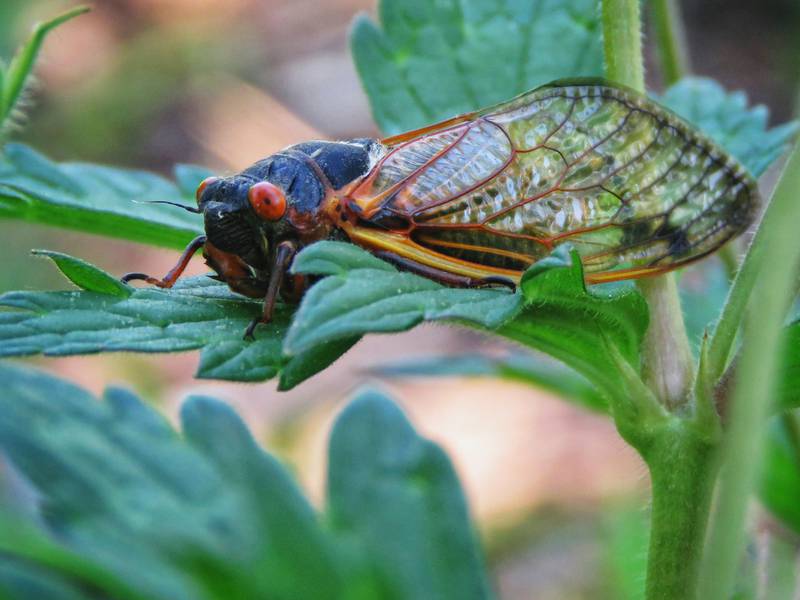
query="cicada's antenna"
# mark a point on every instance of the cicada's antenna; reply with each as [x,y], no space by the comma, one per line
[190,209]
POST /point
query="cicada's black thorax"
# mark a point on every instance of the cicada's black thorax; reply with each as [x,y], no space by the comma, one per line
[340,162]
[303,172]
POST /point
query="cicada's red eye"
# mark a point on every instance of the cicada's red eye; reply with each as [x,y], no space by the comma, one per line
[203,185]
[267,200]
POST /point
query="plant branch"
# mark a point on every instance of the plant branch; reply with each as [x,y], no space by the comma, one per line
[671,38]
[727,327]
[667,358]
[682,468]
[761,283]
[622,38]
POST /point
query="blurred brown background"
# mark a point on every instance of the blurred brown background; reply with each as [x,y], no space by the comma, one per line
[149,83]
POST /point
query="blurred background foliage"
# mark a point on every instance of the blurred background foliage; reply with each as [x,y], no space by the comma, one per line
[150,83]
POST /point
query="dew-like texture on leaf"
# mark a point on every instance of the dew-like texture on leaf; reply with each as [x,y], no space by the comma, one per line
[727,119]
[398,494]
[428,61]
[96,199]
[174,516]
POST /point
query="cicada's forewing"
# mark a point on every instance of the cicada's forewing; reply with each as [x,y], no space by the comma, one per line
[633,187]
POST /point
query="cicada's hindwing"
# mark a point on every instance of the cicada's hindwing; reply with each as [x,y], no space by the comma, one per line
[634,188]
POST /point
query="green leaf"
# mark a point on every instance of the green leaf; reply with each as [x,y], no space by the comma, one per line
[779,487]
[533,370]
[129,509]
[363,295]
[727,119]
[123,491]
[15,76]
[428,61]
[20,581]
[97,199]
[86,276]
[398,495]
[196,313]
[312,361]
[565,320]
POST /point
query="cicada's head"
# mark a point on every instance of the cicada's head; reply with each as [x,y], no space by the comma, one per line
[248,214]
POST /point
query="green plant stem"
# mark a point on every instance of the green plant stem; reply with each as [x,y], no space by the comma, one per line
[679,450]
[19,69]
[667,358]
[671,38]
[622,38]
[682,469]
[727,327]
[762,279]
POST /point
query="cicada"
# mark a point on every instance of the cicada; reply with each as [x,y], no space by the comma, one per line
[477,199]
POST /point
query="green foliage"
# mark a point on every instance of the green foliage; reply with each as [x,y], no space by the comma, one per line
[578,326]
[428,61]
[131,509]
[788,392]
[86,276]
[405,507]
[362,294]
[15,76]
[726,118]
[537,371]
[96,199]
[196,313]
[779,487]
[627,534]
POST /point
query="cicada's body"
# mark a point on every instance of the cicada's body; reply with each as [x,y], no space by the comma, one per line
[479,198]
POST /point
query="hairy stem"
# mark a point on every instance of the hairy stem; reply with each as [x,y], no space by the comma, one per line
[622,37]
[763,285]
[682,469]
[678,448]
[666,354]
[671,38]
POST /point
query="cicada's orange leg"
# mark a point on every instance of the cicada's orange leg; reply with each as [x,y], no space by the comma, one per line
[450,279]
[170,278]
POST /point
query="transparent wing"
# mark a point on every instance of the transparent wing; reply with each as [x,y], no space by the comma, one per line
[632,186]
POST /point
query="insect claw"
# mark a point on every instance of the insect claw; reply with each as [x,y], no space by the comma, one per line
[250,331]
[139,276]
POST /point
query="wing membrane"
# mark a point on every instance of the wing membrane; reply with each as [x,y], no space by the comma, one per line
[633,187]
